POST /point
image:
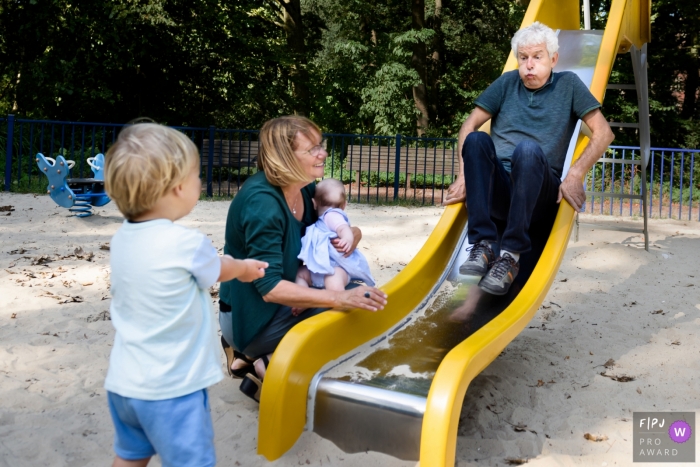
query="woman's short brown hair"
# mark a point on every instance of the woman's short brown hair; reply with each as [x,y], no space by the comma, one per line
[276,154]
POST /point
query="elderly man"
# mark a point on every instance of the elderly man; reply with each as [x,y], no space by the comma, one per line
[513,177]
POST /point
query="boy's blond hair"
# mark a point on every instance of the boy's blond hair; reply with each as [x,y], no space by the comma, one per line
[276,154]
[330,193]
[144,163]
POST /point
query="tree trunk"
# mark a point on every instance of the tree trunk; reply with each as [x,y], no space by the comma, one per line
[299,75]
[418,60]
[436,68]
[692,81]
[20,67]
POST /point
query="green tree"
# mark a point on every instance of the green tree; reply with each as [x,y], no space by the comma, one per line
[194,62]
[411,74]
[673,74]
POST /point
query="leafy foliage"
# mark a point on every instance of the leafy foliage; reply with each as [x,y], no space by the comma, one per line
[231,63]
[178,62]
[673,73]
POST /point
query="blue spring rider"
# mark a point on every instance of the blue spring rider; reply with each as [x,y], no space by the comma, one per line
[79,195]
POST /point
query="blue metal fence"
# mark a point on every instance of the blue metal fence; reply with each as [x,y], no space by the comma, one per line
[374,168]
[673,183]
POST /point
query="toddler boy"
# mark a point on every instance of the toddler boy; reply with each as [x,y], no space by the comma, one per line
[165,351]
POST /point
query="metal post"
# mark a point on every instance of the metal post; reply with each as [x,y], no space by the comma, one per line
[587,15]
[8,151]
[639,65]
[397,167]
[210,165]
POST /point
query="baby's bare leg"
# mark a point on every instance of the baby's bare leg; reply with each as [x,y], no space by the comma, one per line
[303,277]
[337,281]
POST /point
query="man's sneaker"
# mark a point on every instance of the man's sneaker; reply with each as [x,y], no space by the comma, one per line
[500,276]
[480,258]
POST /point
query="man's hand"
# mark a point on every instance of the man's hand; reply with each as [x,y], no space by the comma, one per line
[456,193]
[571,189]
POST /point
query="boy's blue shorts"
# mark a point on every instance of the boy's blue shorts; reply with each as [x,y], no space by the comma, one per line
[179,430]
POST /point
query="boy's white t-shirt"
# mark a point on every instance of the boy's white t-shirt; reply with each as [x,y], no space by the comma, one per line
[165,345]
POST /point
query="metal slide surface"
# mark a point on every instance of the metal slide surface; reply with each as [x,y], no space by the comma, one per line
[405,371]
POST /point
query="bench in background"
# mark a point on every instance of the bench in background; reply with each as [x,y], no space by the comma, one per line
[433,161]
[231,153]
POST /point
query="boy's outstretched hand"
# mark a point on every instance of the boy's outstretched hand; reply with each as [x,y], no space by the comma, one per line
[253,269]
[245,270]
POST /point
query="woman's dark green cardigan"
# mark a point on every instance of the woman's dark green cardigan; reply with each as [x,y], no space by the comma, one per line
[261,226]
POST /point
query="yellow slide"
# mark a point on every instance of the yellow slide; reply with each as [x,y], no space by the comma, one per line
[315,342]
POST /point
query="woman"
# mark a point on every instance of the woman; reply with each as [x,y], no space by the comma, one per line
[266,221]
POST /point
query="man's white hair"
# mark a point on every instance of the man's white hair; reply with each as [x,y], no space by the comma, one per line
[535,34]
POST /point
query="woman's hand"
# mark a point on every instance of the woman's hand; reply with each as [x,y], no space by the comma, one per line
[364,297]
[357,236]
[367,298]
[293,295]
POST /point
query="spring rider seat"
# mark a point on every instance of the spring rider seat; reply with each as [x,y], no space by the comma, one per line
[79,195]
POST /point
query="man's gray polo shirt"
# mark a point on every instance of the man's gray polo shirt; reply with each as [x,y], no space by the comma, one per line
[546,116]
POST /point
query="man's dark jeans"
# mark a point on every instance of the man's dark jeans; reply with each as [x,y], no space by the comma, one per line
[524,197]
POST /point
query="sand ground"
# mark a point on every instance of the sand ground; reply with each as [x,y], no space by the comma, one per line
[55,339]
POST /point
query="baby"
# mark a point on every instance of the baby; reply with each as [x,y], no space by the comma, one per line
[324,266]
[165,350]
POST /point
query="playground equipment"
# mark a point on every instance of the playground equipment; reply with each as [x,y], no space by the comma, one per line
[79,195]
[412,417]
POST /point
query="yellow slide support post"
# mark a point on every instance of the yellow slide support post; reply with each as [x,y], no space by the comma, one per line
[628,23]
